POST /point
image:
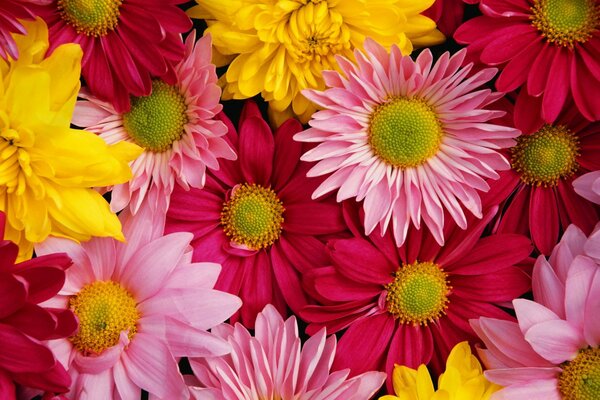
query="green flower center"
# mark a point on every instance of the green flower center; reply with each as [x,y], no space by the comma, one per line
[405,132]
[418,294]
[104,310]
[90,17]
[253,216]
[580,378]
[547,156]
[565,22]
[156,121]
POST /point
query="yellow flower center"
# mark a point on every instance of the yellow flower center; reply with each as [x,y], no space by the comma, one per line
[580,378]
[547,156]
[104,310]
[90,17]
[253,216]
[418,294]
[566,22]
[156,121]
[405,132]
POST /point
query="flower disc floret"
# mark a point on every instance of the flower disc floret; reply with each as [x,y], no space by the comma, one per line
[566,22]
[580,378]
[90,17]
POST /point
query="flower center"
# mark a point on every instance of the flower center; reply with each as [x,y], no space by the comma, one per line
[104,310]
[547,156]
[156,121]
[418,293]
[253,216]
[405,132]
[90,17]
[580,378]
[565,22]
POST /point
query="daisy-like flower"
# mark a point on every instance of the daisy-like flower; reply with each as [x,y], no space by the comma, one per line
[411,138]
[24,359]
[46,168]
[140,306]
[278,48]
[124,42]
[10,13]
[410,305]
[550,47]
[255,217]
[448,14]
[545,161]
[588,186]
[553,351]
[273,365]
[175,125]
[462,380]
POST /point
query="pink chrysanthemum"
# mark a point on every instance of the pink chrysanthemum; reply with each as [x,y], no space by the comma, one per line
[550,47]
[272,364]
[411,138]
[553,352]
[448,14]
[175,125]
[125,42]
[24,359]
[588,186]
[255,217]
[10,13]
[140,305]
[410,305]
[544,162]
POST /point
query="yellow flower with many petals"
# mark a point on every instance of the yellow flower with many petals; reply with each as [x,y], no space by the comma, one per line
[47,169]
[280,47]
[462,380]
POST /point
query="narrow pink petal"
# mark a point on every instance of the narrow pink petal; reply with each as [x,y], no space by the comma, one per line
[530,313]
[544,389]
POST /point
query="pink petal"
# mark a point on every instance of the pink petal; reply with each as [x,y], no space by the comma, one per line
[545,389]
[557,341]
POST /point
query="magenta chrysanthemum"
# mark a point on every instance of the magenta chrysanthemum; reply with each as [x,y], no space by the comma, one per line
[553,352]
[272,364]
[10,13]
[175,125]
[125,43]
[448,14]
[411,138]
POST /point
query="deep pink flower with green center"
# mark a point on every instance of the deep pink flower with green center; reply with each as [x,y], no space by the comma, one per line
[448,14]
[411,305]
[11,11]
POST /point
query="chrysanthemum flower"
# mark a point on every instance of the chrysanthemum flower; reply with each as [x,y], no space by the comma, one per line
[255,217]
[411,138]
[279,48]
[175,125]
[410,305]
[140,306]
[553,352]
[545,161]
[588,186]
[24,359]
[462,380]
[273,364]
[10,13]
[124,42]
[46,168]
[550,47]
[448,14]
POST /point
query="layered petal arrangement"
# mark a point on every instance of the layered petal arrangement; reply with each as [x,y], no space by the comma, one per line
[448,14]
[47,168]
[174,125]
[140,306]
[10,13]
[273,364]
[24,325]
[410,305]
[550,48]
[125,43]
[553,351]
[410,138]
[462,380]
[256,218]
[279,48]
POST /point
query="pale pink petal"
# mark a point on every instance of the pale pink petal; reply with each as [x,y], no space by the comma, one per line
[557,341]
[545,389]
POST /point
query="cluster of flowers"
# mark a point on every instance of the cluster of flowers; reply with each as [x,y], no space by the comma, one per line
[420,217]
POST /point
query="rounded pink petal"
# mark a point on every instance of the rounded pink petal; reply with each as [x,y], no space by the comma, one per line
[557,341]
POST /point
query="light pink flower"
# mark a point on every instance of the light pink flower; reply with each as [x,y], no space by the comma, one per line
[588,186]
[175,125]
[140,305]
[553,351]
[271,365]
[411,138]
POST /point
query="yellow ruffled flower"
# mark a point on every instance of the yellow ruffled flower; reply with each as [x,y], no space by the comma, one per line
[280,47]
[462,380]
[47,170]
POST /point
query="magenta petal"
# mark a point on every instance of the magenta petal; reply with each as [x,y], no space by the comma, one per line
[557,86]
[12,294]
[256,151]
[21,353]
[543,219]
[356,256]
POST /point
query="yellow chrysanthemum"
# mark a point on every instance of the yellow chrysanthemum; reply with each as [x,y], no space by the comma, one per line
[462,380]
[47,170]
[280,47]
